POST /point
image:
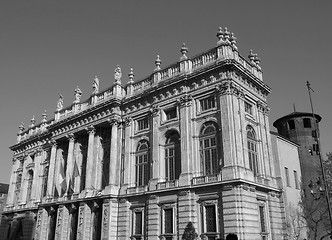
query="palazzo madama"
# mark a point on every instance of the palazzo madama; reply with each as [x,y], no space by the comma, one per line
[186,150]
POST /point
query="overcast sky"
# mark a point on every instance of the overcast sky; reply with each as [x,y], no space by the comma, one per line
[50,47]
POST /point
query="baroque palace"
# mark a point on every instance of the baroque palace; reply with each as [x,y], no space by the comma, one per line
[185,151]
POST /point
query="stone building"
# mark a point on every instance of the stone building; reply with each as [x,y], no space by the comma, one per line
[3,196]
[187,149]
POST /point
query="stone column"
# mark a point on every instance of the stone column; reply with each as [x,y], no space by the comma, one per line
[114,158]
[89,165]
[51,170]
[24,184]
[59,223]
[70,165]
[153,218]
[185,103]
[97,163]
[80,223]
[158,164]
[72,222]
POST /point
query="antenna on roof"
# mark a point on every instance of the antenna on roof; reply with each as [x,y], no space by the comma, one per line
[294,107]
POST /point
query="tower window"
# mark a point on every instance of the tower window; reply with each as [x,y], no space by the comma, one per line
[291,124]
[306,122]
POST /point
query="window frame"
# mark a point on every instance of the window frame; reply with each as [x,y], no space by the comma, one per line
[262,211]
[207,103]
[252,150]
[209,145]
[287,177]
[175,159]
[164,233]
[135,234]
[171,110]
[142,155]
[248,108]
[307,123]
[142,124]
[209,203]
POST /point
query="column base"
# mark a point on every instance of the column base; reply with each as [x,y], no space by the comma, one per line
[111,189]
[185,179]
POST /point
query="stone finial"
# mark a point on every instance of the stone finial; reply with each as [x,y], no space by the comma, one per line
[33,121]
[131,76]
[184,51]
[233,41]
[95,85]
[220,35]
[226,35]
[78,95]
[158,63]
[59,105]
[21,128]
[251,56]
[44,117]
[117,75]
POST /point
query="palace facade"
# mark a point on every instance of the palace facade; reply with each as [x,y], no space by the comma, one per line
[186,150]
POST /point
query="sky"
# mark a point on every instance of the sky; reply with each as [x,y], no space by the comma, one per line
[50,47]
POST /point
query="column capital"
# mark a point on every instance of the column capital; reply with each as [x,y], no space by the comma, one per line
[185,100]
[53,142]
[91,130]
[155,110]
[228,87]
[127,121]
[71,137]
[14,160]
[114,121]
[262,107]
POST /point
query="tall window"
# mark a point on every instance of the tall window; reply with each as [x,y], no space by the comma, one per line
[172,156]
[30,179]
[210,219]
[171,113]
[138,224]
[296,180]
[262,219]
[208,148]
[248,108]
[18,188]
[291,124]
[252,150]
[106,145]
[83,153]
[307,122]
[287,177]
[142,163]
[167,228]
[44,181]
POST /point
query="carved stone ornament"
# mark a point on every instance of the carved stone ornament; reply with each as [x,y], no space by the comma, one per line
[95,85]
[105,220]
[71,137]
[155,110]
[262,107]
[38,224]
[90,130]
[185,100]
[78,95]
[127,121]
[80,222]
[114,121]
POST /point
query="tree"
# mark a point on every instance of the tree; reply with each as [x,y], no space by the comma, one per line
[189,232]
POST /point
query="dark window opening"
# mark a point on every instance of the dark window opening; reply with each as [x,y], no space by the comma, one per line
[307,122]
[291,124]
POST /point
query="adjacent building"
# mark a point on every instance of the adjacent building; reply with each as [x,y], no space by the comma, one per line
[187,149]
[3,196]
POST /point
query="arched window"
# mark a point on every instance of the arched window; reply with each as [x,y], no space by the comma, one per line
[44,181]
[172,156]
[208,142]
[30,179]
[18,187]
[252,150]
[142,163]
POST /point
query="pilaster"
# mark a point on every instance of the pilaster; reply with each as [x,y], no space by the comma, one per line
[114,158]
[156,160]
[81,222]
[229,95]
[185,105]
[51,171]
[187,210]
[124,220]
[153,218]
[128,156]
[89,166]
[37,176]
[109,228]
[70,165]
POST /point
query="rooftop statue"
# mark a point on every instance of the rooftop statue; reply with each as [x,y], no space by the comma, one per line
[59,105]
[78,94]
[117,75]
[95,85]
